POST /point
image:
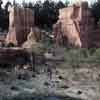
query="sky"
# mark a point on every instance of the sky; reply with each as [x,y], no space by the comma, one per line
[19,1]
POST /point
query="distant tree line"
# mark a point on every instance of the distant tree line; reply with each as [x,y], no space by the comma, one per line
[46,13]
[95,9]
[4,16]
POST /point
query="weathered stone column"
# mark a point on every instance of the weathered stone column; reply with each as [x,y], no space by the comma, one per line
[20,22]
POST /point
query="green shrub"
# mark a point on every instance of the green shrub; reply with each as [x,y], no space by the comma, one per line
[96,54]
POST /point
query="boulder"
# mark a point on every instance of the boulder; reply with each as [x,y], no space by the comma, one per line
[32,44]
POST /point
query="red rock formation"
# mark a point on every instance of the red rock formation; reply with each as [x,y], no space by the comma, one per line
[20,22]
[69,26]
[88,35]
[86,26]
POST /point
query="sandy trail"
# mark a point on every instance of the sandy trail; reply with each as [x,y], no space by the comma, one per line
[64,80]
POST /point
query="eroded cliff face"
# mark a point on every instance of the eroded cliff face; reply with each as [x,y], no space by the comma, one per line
[89,34]
[20,22]
[77,25]
[70,25]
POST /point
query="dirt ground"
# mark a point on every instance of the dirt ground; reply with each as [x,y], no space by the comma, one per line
[53,81]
